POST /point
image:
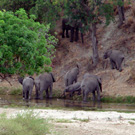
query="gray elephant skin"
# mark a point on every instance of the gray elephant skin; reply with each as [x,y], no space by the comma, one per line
[116,58]
[91,84]
[71,76]
[76,87]
[28,84]
[96,77]
[44,82]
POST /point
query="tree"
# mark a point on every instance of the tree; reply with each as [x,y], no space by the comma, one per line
[89,13]
[26,47]
[14,5]
[121,12]
[46,11]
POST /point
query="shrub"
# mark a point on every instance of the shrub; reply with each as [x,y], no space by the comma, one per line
[23,124]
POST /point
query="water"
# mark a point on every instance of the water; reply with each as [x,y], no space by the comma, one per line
[63,103]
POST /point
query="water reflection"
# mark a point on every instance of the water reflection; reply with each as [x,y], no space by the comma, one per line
[64,103]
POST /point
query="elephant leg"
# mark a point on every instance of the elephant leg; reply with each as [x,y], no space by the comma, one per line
[30,93]
[93,95]
[82,37]
[79,92]
[85,94]
[119,63]
[23,94]
[76,34]
[98,94]
[47,94]
[72,34]
[41,94]
[50,94]
[63,31]
[113,66]
[67,35]
[26,94]
[37,91]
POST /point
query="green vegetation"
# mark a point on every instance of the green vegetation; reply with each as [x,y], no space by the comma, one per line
[27,123]
[131,122]
[10,91]
[3,90]
[15,91]
[26,47]
[119,99]
[46,11]
[82,120]
[62,121]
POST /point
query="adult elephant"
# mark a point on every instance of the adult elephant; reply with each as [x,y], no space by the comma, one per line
[96,77]
[28,84]
[44,82]
[71,76]
[74,28]
[116,58]
[90,84]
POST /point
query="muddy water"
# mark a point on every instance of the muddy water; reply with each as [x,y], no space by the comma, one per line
[63,103]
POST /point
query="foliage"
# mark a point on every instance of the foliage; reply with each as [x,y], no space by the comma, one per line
[14,5]
[88,12]
[25,45]
[46,11]
[27,123]
[119,99]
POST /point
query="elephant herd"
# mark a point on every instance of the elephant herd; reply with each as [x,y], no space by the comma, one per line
[90,83]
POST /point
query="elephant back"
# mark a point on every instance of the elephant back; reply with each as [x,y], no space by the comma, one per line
[28,82]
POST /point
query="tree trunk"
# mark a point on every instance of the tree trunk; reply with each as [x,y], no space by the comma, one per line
[94,45]
[121,14]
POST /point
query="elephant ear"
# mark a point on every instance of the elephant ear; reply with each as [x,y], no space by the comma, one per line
[20,79]
[31,77]
[52,77]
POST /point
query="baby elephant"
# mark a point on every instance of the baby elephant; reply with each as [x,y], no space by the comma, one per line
[90,84]
[28,84]
[71,76]
[116,58]
[73,88]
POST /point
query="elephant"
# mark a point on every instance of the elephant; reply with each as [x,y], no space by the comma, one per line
[28,84]
[71,76]
[90,84]
[44,82]
[73,88]
[73,28]
[96,77]
[116,58]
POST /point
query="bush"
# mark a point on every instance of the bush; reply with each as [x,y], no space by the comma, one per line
[26,46]
[25,124]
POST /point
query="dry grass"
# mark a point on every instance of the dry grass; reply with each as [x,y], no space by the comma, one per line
[133,10]
[130,20]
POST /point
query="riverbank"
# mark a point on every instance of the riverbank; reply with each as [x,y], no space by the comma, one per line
[83,122]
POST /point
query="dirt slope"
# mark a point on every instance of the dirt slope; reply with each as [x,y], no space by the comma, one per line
[68,54]
[114,83]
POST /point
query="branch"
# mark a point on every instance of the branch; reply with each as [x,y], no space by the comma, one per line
[4,78]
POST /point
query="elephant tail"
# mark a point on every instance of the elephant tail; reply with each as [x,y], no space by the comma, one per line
[52,77]
[100,86]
